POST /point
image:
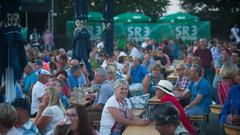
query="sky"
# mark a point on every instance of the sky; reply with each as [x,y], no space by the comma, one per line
[174,7]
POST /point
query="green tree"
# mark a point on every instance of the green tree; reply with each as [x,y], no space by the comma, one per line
[152,8]
[223,14]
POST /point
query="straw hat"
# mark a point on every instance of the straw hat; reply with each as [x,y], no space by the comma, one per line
[165,86]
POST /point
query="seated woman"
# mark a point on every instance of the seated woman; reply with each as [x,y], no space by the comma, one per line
[230,76]
[75,123]
[151,80]
[166,119]
[117,112]
[50,111]
[62,76]
[231,109]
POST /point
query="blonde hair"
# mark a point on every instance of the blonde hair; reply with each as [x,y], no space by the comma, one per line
[229,70]
[8,115]
[120,82]
[111,69]
[54,94]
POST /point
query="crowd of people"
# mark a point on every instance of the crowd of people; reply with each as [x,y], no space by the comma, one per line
[208,72]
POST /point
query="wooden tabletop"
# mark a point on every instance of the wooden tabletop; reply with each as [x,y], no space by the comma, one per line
[172,76]
[154,100]
[140,130]
[82,102]
[232,129]
[138,112]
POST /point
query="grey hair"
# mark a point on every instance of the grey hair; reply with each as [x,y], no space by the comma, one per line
[120,82]
[102,71]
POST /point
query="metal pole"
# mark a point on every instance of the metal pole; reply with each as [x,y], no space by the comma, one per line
[53,12]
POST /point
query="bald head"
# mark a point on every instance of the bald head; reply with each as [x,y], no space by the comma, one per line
[74,62]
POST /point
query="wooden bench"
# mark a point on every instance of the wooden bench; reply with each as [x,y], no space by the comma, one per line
[232,129]
[216,109]
[199,121]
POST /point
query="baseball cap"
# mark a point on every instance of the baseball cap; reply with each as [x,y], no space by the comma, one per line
[43,72]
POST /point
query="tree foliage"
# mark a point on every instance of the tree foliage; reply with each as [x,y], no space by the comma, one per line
[223,14]
[152,8]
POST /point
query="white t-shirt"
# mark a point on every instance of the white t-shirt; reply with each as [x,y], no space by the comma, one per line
[107,120]
[56,113]
[134,53]
[37,92]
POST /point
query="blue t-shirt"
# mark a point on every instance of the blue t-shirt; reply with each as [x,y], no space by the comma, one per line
[29,80]
[137,74]
[231,104]
[105,92]
[203,88]
[76,82]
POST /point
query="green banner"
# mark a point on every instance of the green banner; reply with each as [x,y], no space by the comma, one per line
[94,28]
[186,31]
[137,31]
[158,31]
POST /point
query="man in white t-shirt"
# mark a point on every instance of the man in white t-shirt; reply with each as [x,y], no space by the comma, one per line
[38,90]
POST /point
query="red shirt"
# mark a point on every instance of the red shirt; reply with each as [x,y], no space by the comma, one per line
[205,56]
[183,117]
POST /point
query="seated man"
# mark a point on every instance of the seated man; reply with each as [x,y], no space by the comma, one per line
[29,80]
[182,84]
[105,91]
[135,75]
[201,93]
[74,77]
[23,123]
[38,90]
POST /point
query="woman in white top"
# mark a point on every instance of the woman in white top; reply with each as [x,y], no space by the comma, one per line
[47,118]
[117,112]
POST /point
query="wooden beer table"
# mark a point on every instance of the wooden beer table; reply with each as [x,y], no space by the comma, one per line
[140,130]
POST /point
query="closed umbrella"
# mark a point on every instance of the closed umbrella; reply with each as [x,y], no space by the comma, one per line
[81,39]
[178,17]
[131,18]
[12,56]
[108,26]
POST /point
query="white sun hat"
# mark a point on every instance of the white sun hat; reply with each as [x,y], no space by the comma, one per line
[165,86]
